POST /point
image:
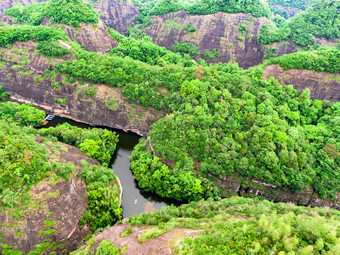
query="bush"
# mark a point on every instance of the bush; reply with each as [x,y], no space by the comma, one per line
[3,95]
[324,59]
[211,54]
[99,144]
[320,20]
[186,48]
[52,49]
[189,28]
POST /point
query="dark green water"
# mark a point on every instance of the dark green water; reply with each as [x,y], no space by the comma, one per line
[134,201]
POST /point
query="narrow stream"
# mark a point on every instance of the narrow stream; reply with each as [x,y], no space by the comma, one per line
[134,201]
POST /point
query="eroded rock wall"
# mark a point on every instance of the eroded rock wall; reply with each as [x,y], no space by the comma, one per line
[29,82]
[117,14]
[215,31]
[322,86]
[92,37]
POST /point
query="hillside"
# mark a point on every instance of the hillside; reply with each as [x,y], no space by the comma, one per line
[228,226]
[213,27]
[223,98]
[45,190]
[216,135]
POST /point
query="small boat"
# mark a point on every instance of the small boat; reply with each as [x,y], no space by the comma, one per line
[49,117]
[135,201]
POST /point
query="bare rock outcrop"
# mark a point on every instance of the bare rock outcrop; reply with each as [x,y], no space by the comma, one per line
[119,15]
[55,206]
[163,244]
[322,85]
[93,37]
[214,31]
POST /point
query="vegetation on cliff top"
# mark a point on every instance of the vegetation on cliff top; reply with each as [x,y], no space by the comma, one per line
[96,143]
[322,19]
[144,50]
[257,8]
[324,59]
[238,226]
[47,38]
[68,12]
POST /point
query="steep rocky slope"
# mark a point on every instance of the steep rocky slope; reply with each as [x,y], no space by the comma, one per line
[33,81]
[163,244]
[219,31]
[119,15]
[93,38]
[52,215]
[321,85]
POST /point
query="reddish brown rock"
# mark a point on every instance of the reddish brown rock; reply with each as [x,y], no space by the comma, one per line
[54,205]
[162,245]
[219,31]
[322,85]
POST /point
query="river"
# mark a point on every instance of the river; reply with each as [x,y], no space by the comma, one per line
[134,201]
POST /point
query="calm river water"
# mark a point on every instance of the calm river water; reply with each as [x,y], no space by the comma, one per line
[134,201]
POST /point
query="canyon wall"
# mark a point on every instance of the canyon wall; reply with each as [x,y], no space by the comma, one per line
[322,85]
[218,31]
[29,78]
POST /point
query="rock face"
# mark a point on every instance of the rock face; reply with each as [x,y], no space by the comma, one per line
[34,83]
[215,31]
[117,14]
[93,38]
[164,244]
[322,86]
[54,210]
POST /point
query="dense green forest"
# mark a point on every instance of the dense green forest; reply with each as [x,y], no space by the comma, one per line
[47,38]
[229,120]
[247,226]
[223,120]
[324,59]
[68,12]
[97,143]
[322,19]
[236,226]
[257,8]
